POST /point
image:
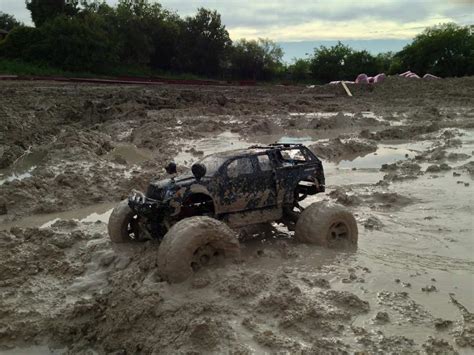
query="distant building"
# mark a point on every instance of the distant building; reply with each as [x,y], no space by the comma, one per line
[3,34]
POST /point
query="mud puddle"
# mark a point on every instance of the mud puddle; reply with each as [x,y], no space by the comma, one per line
[66,284]
[23,167]
[89,214]
[129,153]
[418,257]
[385,154]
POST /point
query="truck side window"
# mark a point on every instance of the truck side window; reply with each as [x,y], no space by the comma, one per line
[264,162]
[241,166]
[293,155]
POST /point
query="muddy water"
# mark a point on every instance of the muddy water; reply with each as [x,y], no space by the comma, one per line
[427,242]
[385,154]
[130,153]
[23,167]
[94,213]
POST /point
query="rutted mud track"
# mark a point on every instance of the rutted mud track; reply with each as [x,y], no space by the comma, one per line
[399,155]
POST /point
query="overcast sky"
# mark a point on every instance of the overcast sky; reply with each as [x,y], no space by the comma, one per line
[297,20]
[315,20]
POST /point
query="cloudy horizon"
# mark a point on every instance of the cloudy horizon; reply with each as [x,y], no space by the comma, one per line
[284,21]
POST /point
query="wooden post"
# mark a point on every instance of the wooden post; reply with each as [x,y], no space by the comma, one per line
[346,88]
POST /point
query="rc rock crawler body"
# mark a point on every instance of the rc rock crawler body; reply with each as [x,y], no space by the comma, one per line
[228,190]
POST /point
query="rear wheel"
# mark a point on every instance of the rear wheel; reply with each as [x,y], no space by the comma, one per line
[331,226]
[123,224]
[193,243]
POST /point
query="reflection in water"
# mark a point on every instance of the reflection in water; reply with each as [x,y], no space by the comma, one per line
[23,167]
[16,176]
[93,213]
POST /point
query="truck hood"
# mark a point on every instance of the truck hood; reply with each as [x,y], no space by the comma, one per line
[165,188]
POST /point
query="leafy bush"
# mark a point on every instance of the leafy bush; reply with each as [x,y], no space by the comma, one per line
[328,64]
[258,60]
[21,42]
[444,50]
[45,10]
[341,62]
[8,22]
[92,36]
[77,44]
[203,43]
[300,70]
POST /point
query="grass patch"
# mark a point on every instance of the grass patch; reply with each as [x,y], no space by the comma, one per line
[18,67]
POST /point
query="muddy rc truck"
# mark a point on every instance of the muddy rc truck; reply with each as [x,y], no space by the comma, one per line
[192,214]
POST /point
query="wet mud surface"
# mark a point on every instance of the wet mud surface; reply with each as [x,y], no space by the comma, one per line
[399,156]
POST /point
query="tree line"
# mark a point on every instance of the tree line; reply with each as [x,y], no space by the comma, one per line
[92,36]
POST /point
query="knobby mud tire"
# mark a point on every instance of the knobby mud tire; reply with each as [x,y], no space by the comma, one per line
[187,239]
[327,225]
[119,220]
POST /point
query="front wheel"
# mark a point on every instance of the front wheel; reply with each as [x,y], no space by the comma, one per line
[193,243]
[123,224]
[331,226]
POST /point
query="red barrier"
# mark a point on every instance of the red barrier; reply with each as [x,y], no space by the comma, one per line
[131,80]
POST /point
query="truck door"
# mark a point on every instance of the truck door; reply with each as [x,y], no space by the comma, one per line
[266,178]
[288,173]
[239,186]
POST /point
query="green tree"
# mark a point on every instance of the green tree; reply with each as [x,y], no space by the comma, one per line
[165,39]
[20,43]
[328,64]
[204,43]
[444,50]
[8,22]
[272,56]
[80,44]
[135,21]
[358,62]
[384,62]
[256,59]
[300,70]
[44,10]
[341,62]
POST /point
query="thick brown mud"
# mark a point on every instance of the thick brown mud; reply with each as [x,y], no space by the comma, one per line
[400,156]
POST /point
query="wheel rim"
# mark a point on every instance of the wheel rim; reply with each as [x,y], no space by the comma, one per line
[133,228]
[338,232]
[204,256]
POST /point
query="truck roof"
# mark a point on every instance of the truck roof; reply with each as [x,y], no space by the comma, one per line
[255,149]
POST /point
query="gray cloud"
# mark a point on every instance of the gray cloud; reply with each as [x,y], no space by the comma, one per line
[259,15]
[247,13]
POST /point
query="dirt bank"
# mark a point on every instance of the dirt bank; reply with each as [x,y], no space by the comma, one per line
[399,155]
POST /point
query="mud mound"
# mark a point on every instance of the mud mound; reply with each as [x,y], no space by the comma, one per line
[420,92]
[67,287]
[345,197]
[468,167]
[83,144]
[115,297]
[402,132]
[338,121]
[10,154]
[375,200]
[260,127]
[338,149]
[401,171]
